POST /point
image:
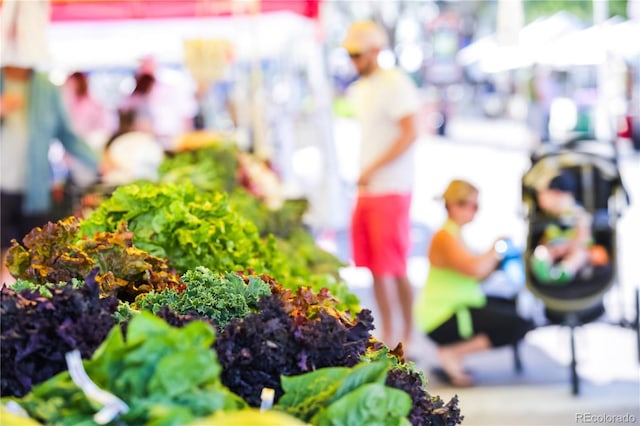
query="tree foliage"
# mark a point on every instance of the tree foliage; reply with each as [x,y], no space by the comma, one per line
[582,9]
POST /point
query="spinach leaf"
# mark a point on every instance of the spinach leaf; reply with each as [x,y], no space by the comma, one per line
[345,396]
[372,404]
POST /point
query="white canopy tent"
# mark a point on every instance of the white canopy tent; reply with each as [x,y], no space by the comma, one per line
[106,44]
[595,45]
[491,57]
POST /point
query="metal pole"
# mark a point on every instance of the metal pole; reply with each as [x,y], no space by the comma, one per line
[604,126]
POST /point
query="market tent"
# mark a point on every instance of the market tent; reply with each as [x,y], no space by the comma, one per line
[98,10]
[89,34]
[594,45]
[121,43]
[491,56]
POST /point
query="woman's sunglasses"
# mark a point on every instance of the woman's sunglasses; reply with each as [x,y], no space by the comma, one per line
[470,204]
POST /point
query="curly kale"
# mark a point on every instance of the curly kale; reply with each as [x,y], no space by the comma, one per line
[37,331]
[220,297]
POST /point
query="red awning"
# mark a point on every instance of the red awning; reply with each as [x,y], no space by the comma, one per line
[85,10]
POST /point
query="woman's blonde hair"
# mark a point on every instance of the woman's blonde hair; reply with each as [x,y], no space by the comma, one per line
[458,190]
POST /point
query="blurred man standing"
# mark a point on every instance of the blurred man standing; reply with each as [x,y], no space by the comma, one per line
[385,102]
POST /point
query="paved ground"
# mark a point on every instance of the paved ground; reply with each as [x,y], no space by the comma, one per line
[494,155]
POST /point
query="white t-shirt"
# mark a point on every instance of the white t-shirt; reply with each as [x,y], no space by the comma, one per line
[380,101]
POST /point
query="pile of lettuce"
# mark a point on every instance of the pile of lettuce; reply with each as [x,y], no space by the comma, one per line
[192,228]
[213,168]
[42,322]
[289,335]
[169,375]
[217,169]
[57,253]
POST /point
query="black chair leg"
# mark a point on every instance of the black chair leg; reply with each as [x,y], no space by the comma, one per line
[637,321]
[517,361]
[575,380]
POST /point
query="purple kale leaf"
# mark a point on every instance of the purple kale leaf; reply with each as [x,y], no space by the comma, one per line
[426,410]
[256,350]
[37,331]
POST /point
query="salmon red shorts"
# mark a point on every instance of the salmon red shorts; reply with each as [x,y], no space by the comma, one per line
[380,233]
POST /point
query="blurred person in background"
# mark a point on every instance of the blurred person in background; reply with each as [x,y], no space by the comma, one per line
[385,102]
[166,101]
[88,114]
[452,308]
[139,105]
[33,115]
[90,120]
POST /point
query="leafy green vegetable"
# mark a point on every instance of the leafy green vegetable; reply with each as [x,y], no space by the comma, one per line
[375,372]
[166,376]
[216,296]
[189,227]
[306,394]
[49,254]
[345,396]
[55,253]
[213,168]
[372,404]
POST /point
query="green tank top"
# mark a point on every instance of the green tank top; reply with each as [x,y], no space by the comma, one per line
[448,292]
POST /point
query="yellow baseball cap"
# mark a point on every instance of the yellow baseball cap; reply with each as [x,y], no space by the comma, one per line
[363,36]
[458,190]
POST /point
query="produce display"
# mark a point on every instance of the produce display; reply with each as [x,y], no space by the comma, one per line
[170,369]
[183,311]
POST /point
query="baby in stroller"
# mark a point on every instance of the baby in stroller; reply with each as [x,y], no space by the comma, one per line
[566,247]
[593,188]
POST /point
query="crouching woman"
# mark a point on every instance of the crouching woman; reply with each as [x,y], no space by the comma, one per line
[452,309]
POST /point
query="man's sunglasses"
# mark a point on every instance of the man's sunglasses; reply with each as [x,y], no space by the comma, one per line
[355,55]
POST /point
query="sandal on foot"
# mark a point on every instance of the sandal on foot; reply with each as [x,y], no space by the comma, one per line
[459,381]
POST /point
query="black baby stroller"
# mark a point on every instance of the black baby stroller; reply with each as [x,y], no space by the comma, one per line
[600,191]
